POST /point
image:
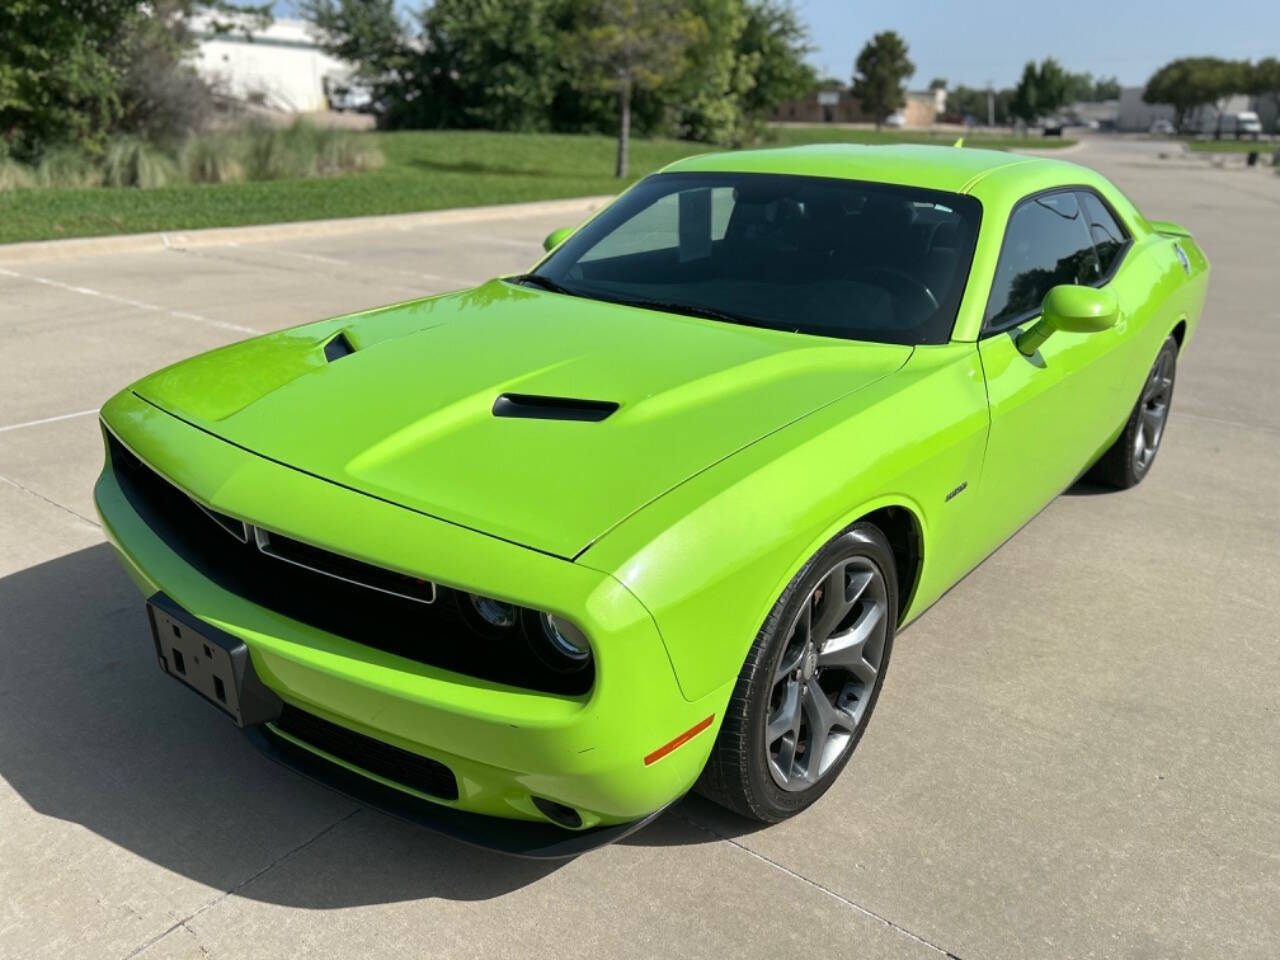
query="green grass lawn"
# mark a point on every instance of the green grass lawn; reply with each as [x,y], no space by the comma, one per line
[1231,146]
[423,171]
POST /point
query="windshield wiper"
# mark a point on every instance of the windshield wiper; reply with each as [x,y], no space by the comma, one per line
[546,283]
[694,310]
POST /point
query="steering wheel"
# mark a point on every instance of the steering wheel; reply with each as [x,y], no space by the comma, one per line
[899,281]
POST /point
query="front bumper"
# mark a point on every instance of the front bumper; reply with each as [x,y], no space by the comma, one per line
[505,745]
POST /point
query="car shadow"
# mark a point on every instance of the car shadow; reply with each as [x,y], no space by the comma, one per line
[92,733]
[1088,488]
[476,166]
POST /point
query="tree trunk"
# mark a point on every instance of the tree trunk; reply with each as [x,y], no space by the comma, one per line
[624,128]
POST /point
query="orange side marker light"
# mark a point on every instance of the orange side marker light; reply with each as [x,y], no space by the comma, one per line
[679,741]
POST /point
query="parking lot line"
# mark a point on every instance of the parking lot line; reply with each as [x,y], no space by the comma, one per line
[127,301]
[42,420]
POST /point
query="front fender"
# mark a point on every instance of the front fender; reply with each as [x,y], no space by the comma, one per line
[710,558]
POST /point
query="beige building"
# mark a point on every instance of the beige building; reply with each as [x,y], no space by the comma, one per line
[836,104]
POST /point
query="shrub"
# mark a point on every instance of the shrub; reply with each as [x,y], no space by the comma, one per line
[303,150]
[342,152]
[130,162]
[213,158]
[15,176]
[282,154]
[67,167]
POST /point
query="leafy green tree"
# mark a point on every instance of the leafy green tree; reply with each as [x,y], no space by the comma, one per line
[1026,95]
[494,63]
[938,83]
[881,70]
[367,33]
[972,102]
[776,42]
[1042,90]
[59,76]
[1264,79]
[1189,83]
[76,72]
[706,101]
[632,45]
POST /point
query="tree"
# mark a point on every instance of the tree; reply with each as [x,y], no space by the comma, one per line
[776,43]
[1190,83]
[1026,95]
[1042,90]
[1264,79]
[938,83]
[972,102]
[880,72]
[79,72]
[632,45]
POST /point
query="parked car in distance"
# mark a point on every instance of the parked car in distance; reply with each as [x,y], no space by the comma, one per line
[1161,128]
[529,561]
[896,120]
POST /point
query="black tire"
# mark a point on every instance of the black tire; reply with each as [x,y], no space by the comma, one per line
[1128,461]
[743,770]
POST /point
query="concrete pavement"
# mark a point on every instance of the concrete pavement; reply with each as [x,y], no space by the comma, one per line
[1077,752]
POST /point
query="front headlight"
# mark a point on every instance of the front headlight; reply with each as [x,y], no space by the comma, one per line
[561,645]
[558,644]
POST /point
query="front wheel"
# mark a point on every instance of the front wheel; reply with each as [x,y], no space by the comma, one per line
[809,683]
[1129,459]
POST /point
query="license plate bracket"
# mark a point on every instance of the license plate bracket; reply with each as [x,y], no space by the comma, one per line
[211,662]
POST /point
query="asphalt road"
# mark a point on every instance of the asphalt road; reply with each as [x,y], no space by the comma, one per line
[1077,752]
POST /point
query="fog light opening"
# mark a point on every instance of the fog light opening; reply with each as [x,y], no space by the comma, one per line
[558,813]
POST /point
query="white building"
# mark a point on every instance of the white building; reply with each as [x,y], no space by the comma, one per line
[281,67]
[1136,114]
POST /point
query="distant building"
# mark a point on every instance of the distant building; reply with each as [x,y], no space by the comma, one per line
[836,104]
[281,67]
[1135,114]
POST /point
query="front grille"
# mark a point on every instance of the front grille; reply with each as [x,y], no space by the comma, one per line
[436,633]
[399,766]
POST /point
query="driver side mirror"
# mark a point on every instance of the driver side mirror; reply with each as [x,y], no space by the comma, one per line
[1072,308]
[556,237]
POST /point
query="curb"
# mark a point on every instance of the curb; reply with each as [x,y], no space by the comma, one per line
[221,236]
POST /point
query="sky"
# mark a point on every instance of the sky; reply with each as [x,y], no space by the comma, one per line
[979,41]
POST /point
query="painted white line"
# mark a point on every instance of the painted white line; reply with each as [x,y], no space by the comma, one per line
[137,304]
[36,423]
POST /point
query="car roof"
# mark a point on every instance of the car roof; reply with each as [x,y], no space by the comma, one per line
[907,164]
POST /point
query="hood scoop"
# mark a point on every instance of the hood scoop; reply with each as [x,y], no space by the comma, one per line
[337,348]
[528,406]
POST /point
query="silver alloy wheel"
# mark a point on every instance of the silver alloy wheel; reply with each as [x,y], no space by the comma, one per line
[1153,411]
[827,673]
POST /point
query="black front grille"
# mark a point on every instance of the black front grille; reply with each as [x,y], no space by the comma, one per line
[399,766]
[436,633]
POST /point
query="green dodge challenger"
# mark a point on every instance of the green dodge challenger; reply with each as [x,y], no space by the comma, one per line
[528,562]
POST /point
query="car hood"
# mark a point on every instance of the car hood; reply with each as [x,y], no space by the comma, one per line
[409,416]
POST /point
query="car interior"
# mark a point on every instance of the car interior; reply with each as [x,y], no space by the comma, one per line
[816,256]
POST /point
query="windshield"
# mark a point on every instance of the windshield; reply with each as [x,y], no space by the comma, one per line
[835,258]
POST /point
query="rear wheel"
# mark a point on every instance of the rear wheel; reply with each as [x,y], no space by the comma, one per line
[810,681]
[1129,459]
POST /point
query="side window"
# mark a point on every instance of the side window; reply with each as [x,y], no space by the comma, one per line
[1109,237]
[1046,243]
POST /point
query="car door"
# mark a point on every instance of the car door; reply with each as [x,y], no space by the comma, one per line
[1050,412]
